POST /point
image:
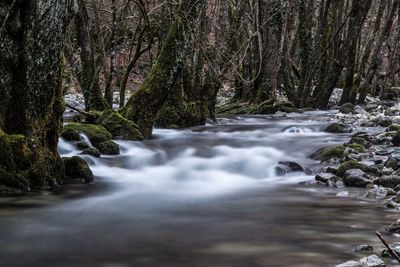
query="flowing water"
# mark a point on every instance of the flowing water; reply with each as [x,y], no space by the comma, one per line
[206,196]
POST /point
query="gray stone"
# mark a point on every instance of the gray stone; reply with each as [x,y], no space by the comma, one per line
[363,248]
[356,178]
[372,261]
[350,264]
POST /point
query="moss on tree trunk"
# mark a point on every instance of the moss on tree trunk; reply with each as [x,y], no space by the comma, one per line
[30,82]
[144,106]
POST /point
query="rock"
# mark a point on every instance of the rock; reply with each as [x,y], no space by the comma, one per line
[77,168]
[372,261]
[70,135]
[378,192]
[350,264]
[393,128]
[396,139]
[280,114]
[392,111]
[92,151]
[82,145]
[363,248]
[108,148]
[391,205]
[392,163]
[329,179]
[360,110]
[388,181]
[329,153]
[292,166]
[6,191]
[394,227]
[336,128]
[359,140]
[355,165]
[342,194]
[96,133]
[119,127]
[347,108]
[357,147]
[355,178]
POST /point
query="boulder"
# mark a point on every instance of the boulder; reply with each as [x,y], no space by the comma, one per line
[96,133]
[336,128]
[77,168]
[363,248]
[355,178]
[372,261]
[329,153]
[390,181]
[92,151]
[347,108]
[108,148]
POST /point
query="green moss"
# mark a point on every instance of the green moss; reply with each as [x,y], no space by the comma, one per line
[357,147]
[358,140]
[328,153]
[96,133]
[119,127]
[394,127]
[348,165]
[91,151]
[182,115]
[336,128]
[108,148]
[70,135]
[77,168]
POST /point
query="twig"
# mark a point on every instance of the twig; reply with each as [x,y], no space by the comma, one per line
[391,251]
[78,110]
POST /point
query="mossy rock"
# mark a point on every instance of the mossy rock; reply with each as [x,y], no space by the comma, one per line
[120,127]
[393,128]
[357,147]
[358,140]
[71,135]
[92,151]
[329,153]
[108,148]
[348,165]
[396,139]
[347,108]
[6,191]
[14,180]
[77,168]
[336,128]
[96,133]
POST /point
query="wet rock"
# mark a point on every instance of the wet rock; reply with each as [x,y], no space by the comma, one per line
[392,163]
[92,151]
[392,111]
[392,204]
[356,165]
[329,153]
[82,145]
[378,192]
[394,227]
[329,179]
[108,148]
[372,261]
[96,133]
[363,248]
[355,178]
[396,139]
[6,191]
[350,264]
[359,140]
[336,128]
[347,108]
[393,128]
[286,167]
[77,168]
[71,135]
[388,181]
[342,194]
[360,110]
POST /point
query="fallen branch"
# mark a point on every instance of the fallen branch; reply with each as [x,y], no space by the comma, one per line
[78,110]
[391,251]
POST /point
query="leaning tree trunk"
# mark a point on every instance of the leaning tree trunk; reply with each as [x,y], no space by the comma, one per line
[31,43]
[144,106]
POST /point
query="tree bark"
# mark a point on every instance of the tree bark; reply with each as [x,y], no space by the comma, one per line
[31,94]
[144,106]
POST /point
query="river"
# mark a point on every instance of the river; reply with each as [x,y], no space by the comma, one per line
[206,196]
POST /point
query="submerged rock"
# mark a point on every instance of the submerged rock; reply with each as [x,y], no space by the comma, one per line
[363,248]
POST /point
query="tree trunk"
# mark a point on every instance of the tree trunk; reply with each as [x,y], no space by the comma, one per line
[88,74]
[31,95]
[144,106]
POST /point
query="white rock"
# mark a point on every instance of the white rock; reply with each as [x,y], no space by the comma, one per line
[343,194]
[373,261]
[350,264]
